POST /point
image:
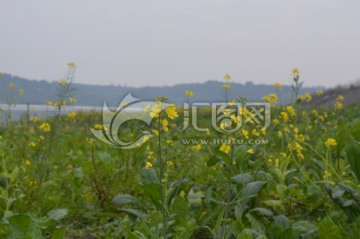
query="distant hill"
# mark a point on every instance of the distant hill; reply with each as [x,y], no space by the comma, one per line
[351,96]
[40,91]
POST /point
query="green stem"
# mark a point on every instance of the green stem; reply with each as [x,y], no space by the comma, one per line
[162,196]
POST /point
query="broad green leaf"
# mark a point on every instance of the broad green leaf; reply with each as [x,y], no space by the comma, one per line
[213,160]
[57,214]
[348,203]
[14,174]
[329,230]
[134,212]
[337,192]
[23,226]
[245,234]
[148,176]
[242,178]
[262,211]
[353,155]
[282,221]
[59,233]
[122,199]
[251,190]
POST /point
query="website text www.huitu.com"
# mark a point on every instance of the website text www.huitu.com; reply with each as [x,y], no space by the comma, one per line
[225,141]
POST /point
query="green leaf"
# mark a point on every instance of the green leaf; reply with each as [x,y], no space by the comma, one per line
[348,203]
[242,178]
[245,234]
[134,212]
[329,230]
[59,233]
[213,160]
[251,190]
[23,226]
[136,235]
[274,231]
[282,221]
[57,214]
[337,192]
[347,188]
[14,174]
[262,211]
[148,176]
[153,192]
[122,199]
[353,155]
[303,227]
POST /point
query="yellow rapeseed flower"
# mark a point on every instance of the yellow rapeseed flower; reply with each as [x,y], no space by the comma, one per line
[276,121]
[290,109]
[148,165]
[35,119]
[283,154]
[165,124]
[147,108]
[71,64]
[340,97]
[338,105]
[296,72]
[278,85]
[225,148]
[284,116]
[155,110]
[330,142]
[98,126]
[245,133]
[171,112]
[45,127]
[27,162]
[196,147]
[21,91]
[277,161]
[307,97]
[71,115]
[227,77]
[270,98]
[62,81]
[189,93]
[12,86]
[319,92]
[226,86]
[155,132]
[32,144]
[250,151]
[235,118]
[327,174]
[255,132]
[72,100]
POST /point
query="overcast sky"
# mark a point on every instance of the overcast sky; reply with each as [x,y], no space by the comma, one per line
[166,42]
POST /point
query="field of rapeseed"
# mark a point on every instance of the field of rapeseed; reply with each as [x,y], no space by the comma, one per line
[297,178]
